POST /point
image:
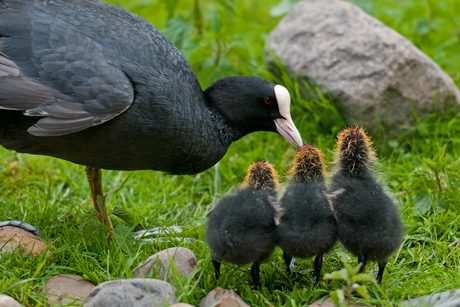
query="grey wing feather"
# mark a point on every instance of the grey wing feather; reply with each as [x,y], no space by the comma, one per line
[7,67]
[90,103]
[17,93]
[63,62]
[51,126]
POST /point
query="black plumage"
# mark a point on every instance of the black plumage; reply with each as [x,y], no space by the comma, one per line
[94,84]
[241,227]
[307,226]
[368,220]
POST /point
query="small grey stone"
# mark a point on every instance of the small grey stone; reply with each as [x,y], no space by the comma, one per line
[184,261]
[328,303]
[137,292]
[444,299]
[222,298]
[23,225]
[8,301]
[157,235]
[371,71]
[60,287]
[145,233]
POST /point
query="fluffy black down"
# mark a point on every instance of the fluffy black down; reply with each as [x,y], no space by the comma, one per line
[241,227]
[307,226]
[367,218]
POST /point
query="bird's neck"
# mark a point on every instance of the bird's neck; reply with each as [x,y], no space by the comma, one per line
[228,132]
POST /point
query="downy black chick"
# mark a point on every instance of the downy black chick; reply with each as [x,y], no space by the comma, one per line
[307,225]
[368,220]
[241,227]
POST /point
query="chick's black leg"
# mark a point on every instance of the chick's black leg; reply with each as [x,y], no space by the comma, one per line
[216,263]
[288,260]
[318,264]
[381,269]
[362,259]
[255,273]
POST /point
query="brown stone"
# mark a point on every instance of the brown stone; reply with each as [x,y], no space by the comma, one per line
[222,298]
[326,303]
[184,261]
[18,237]
[59,288]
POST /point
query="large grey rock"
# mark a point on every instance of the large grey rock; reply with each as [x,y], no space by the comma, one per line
[368,68]
[222,298]
[444,299]
[137,292]
[62,288]
[8,301]
[184,261]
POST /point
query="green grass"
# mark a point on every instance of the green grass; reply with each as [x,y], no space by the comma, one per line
[421,168]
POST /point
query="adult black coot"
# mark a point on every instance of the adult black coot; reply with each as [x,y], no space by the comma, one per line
[368,220]
[307,226]
[241,228]
[94,84]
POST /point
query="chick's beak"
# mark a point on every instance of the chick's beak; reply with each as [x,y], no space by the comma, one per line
[285,126]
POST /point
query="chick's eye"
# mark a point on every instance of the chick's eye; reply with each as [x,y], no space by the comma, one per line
[268,101]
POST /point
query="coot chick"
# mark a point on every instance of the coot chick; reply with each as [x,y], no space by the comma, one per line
[91,83]
[241,227]
[368,220]
[307,226]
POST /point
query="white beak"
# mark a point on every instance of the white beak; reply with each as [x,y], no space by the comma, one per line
[286,127]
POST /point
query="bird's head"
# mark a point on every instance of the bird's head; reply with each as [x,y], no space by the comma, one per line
[354,150]
[254,104]
[261,176]
[309,165]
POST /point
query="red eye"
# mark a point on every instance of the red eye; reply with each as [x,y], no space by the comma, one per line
[268,101]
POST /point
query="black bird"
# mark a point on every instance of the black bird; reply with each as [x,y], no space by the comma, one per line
[94,84]
[241,228]
[368,220]
[307,226]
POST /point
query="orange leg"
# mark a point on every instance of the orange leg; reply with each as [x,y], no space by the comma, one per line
[94,175]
